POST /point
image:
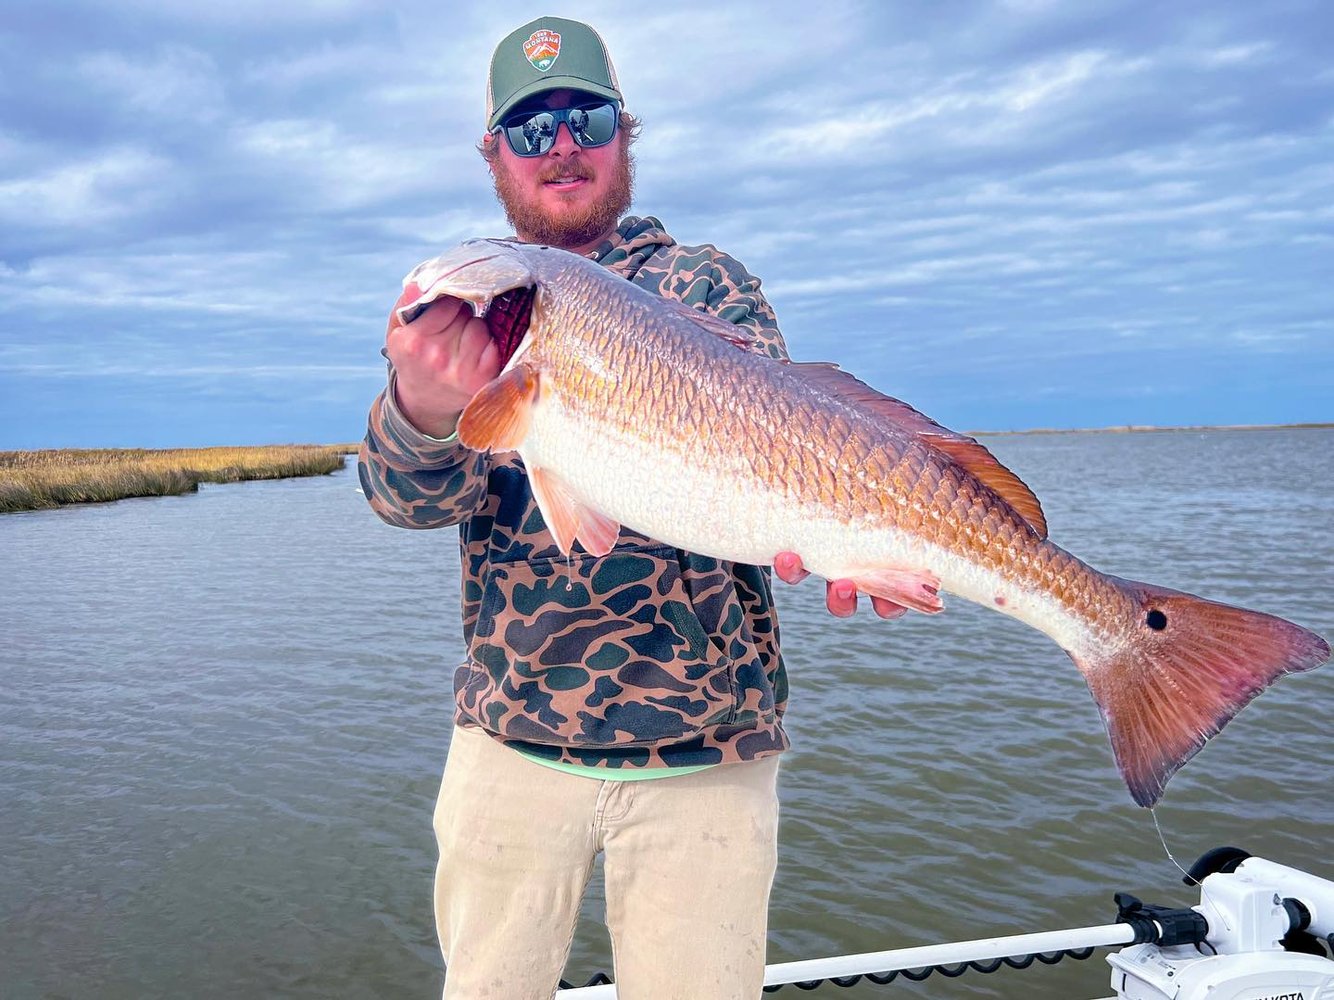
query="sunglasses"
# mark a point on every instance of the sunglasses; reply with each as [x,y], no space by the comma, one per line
[533,133]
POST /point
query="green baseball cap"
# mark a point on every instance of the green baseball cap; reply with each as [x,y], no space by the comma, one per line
[551,53]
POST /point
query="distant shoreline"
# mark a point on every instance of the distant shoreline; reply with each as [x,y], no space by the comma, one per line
[1153,429]
[59,477]
[46,478]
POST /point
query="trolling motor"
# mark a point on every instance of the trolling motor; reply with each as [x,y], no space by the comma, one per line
[1261,931]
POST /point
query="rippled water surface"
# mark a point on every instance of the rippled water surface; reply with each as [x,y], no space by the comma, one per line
[224,718]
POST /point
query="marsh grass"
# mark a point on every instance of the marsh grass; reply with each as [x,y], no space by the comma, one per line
[30,480]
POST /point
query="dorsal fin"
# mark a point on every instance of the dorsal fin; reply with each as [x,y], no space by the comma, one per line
[966,451]
[737,336]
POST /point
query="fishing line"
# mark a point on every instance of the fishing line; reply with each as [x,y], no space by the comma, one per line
[1153,812]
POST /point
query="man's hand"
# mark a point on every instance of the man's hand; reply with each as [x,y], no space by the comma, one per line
[441,359]
[840,595]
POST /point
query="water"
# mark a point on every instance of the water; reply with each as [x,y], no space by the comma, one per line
[224,717]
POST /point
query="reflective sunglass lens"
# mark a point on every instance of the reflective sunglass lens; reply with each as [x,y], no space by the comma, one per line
[593,126]
[534,136]
[534,133]
[579,125]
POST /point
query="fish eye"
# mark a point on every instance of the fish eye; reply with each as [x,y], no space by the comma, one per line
[1156,620]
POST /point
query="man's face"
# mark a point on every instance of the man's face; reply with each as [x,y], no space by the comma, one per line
[568,197]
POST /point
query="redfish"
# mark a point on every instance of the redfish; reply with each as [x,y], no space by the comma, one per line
[631,409]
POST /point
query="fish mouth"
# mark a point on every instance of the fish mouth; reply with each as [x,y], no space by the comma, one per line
[507,319]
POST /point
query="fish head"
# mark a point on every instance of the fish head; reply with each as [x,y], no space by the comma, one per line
[493,276]
[476,271]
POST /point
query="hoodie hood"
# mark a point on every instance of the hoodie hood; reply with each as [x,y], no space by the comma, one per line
[632,244]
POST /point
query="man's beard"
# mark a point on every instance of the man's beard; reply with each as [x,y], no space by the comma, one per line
[567,230]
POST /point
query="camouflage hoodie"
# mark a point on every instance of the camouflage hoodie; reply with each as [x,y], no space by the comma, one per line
[648,656]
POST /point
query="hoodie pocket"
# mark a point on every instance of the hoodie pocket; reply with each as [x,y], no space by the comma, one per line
[595,652]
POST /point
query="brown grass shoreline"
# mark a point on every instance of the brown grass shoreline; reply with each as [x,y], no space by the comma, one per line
[35,480]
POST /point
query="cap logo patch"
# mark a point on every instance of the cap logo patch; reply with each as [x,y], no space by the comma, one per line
[542,48]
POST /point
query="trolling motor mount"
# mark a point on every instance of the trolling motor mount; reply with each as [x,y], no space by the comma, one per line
[1161,925]
[1264,930]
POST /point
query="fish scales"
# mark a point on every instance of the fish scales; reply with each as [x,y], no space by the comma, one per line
[838,468]
[638,412]
[811,469]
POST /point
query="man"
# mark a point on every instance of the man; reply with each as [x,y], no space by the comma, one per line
[631,703]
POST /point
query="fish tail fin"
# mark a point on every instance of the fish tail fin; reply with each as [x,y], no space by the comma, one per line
[1184,669]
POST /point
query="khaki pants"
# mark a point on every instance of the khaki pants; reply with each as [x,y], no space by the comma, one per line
[689,863]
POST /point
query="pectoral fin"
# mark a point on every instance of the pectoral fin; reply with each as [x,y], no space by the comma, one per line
[498,416]
[569,519]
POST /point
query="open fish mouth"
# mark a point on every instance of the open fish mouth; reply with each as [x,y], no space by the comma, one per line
[488,274]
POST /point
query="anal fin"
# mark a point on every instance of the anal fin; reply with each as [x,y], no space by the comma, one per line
[912,588]
[571,520]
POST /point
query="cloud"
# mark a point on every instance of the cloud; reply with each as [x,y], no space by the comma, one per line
[1046,192]
[111,185]
[919,272]
[175,82]
[326,63]
[1233,55]
[248,13]
[231,287]
[121,371]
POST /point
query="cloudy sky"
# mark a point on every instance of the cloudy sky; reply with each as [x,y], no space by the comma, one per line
[1013,214]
